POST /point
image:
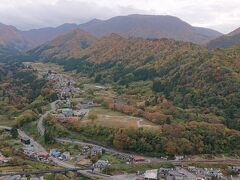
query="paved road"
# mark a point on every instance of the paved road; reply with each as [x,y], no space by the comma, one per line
[36,146]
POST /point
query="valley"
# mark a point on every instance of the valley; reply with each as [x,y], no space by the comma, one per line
[130,97]
[101,117]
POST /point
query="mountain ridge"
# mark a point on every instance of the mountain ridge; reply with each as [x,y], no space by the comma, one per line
[145,26]
[226,41]
[149,26]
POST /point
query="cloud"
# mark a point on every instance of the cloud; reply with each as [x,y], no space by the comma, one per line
[222,15]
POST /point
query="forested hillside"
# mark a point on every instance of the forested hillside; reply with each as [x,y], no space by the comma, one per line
[190,76]
[20,89]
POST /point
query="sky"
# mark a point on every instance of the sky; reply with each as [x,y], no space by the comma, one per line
[221,15]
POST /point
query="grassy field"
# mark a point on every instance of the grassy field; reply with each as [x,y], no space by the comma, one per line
[110,118]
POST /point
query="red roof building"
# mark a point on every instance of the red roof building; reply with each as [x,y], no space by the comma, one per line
[43,154]
[138,158]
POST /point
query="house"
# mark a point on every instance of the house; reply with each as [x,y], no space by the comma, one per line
[65,155]
[55,153]
[29,151]
[125,157]
[175,175]
[151,174]
[96,150]
[25,141]
[43,154]
[101,164]
[162,172]
[138,158]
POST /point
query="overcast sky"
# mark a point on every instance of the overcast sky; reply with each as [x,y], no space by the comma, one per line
[222,15]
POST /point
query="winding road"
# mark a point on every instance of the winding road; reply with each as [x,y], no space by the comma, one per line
[40,125]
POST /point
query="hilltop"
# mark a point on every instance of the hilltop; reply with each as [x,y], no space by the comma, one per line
[12,41]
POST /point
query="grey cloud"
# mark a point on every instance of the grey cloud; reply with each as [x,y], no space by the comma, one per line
[222,15]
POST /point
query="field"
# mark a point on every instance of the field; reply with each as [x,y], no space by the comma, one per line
[45,67]
[114,119]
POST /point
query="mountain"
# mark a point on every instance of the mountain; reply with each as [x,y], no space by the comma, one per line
[67,45]
[42,35]
[150,26]
[226,41]
[12,41]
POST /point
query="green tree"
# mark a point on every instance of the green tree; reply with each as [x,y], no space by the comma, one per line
[14,132]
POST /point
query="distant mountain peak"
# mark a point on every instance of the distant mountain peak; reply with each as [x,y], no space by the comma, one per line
[149,26]
[12,41]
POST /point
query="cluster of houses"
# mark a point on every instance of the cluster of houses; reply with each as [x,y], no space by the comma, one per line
[66,111]
[92,150]
[192,173]
[62,85]
[206,173]
[163,174]
[33,154]
[235,170]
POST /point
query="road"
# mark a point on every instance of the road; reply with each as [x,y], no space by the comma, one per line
[70,141]
[40,125]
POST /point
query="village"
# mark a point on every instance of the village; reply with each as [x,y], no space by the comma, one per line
[89,151]
[71,107]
